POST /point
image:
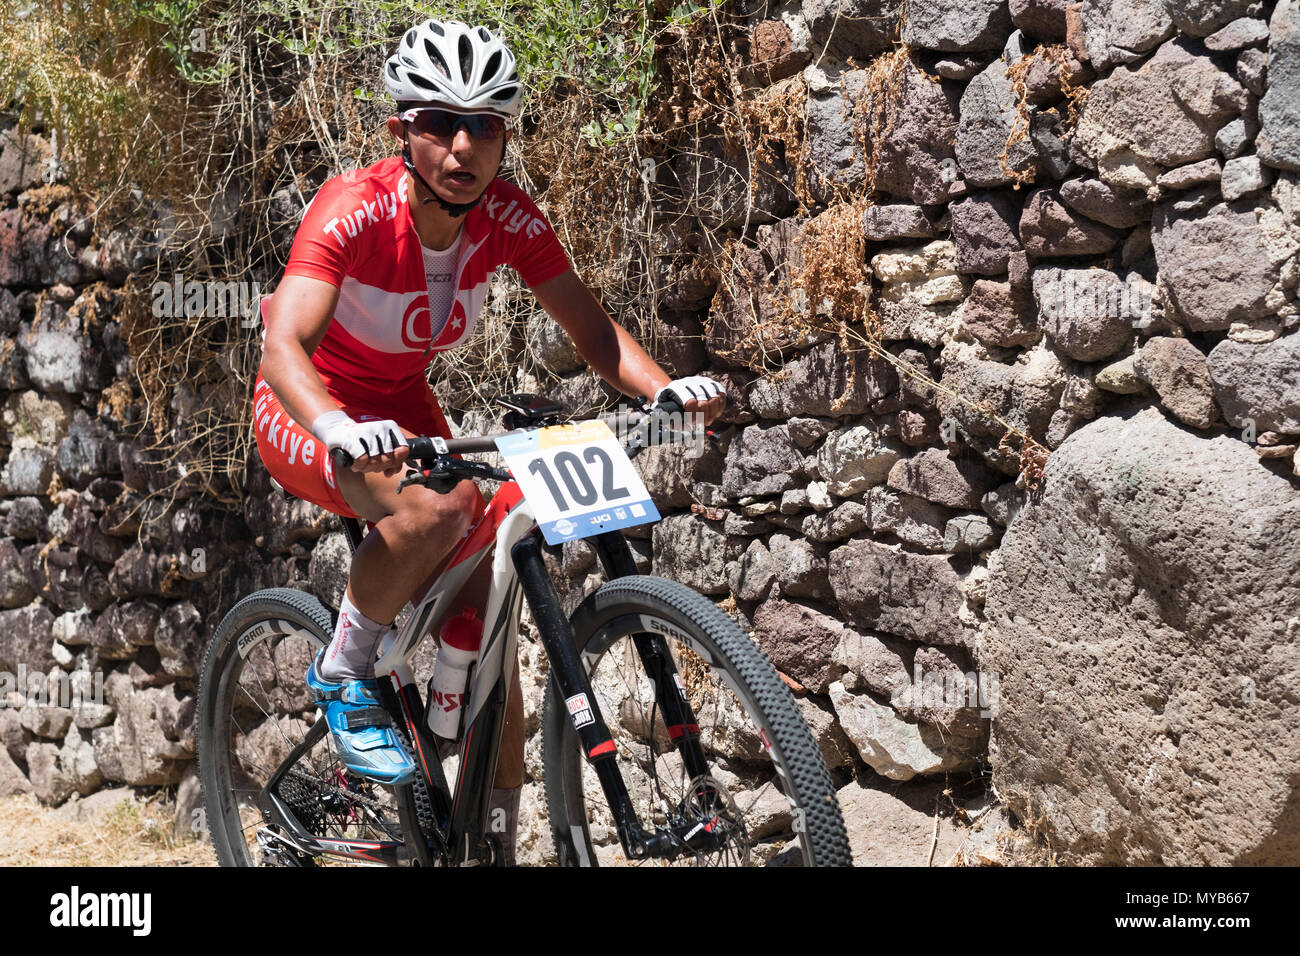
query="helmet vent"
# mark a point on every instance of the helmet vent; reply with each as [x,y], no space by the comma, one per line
[493,64]
[435,58]
[421,82]
[466,58]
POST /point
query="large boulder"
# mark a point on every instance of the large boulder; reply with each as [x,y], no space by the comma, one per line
[1258,385]
[1120,31]
[1279,110]
[987,117]
[825,380]
[1214,264]
[852,27]
[956,26]
[1146,677]
[916,596]
[1163,113]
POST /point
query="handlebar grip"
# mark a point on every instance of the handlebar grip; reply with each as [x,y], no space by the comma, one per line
[421,447]
[341,458]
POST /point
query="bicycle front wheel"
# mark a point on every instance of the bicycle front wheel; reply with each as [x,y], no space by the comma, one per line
[765,783]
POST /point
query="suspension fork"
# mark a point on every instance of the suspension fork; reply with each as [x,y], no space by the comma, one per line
[683,728]
[571,678]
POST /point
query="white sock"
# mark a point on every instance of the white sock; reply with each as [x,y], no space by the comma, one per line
[351,654]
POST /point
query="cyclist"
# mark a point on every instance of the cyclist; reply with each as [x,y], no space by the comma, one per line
[391,263]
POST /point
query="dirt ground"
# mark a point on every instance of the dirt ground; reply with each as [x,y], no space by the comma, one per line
[121,828]
[108,828]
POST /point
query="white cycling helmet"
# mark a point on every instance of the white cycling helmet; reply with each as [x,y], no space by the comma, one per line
[446,61]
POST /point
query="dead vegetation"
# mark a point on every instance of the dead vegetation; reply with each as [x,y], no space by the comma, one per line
[120,831]
[1056,54]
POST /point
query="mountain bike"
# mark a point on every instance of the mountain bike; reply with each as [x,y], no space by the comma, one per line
[667,737]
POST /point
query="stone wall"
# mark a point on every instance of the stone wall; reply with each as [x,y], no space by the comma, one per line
[1121,286]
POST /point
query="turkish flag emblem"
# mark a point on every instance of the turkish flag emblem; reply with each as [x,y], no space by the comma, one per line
[415,323]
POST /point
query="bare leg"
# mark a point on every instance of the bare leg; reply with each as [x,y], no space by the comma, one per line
[401,558]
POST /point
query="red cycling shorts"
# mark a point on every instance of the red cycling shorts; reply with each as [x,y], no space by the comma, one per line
[301,464]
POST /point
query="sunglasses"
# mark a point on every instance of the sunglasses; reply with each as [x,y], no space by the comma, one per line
[443,123]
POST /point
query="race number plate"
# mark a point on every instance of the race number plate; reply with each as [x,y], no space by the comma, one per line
[578,480]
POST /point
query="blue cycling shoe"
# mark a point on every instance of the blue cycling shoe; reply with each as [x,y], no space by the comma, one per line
[363,730]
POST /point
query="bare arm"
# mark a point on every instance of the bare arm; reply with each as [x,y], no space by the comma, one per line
[297,319]
[606,346]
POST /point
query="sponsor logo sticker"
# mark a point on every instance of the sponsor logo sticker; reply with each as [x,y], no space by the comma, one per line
[580,711]
[681,688]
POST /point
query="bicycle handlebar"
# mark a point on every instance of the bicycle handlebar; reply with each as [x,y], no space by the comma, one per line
[425,448]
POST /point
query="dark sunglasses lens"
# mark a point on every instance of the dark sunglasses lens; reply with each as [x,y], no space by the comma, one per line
[443,123]
[489,126]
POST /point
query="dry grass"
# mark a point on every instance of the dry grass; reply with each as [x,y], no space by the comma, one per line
[1017,73]
[131,833]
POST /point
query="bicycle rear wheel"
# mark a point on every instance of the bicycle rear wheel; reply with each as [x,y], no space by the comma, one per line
[253,711]
[766,785]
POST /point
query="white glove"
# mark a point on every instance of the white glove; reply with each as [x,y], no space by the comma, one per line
[358,439]
[684,390]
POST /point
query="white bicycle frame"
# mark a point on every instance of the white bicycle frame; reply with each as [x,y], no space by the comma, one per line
[497,652]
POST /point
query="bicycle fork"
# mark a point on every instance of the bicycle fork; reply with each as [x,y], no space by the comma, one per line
[598,746]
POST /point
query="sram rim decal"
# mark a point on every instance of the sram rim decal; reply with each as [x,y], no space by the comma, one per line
[260,631]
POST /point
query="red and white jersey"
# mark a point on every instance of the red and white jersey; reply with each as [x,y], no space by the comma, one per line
[357,233]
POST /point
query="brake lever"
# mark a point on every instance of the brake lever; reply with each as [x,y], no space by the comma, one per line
[433,479]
